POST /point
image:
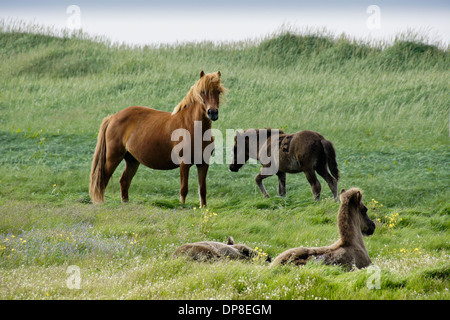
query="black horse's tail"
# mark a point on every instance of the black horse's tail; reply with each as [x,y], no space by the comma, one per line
[330,153]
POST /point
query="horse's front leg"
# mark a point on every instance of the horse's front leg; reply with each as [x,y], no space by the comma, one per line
[258,179]
[202,170]
[184,181]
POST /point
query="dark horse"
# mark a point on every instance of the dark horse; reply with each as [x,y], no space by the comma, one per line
[145,135]
[304,151]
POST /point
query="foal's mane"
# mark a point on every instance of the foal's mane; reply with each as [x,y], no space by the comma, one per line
[268,131]
[345,218]
[207,83]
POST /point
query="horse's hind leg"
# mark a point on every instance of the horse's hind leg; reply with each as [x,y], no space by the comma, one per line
[113,159]
[258,179]
[332,182]
[131,167]
[314,182]
[281,183]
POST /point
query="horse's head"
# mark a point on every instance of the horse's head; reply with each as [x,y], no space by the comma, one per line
[205,92]
[240,151]
[210,93]
[367,226]
[246,252]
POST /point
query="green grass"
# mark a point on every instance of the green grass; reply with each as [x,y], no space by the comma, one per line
[385,108]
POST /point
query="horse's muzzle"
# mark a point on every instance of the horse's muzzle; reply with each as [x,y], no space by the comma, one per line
[213,114]
[370,230]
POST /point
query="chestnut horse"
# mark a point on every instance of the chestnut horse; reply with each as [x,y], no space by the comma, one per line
[145,135]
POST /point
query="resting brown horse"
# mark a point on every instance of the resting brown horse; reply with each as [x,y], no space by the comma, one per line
[145,135]
[213,250]
[304,151]
[353,222]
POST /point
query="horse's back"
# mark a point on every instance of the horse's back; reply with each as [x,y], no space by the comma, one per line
[207,250]
[127,119]
[298,150]
[307,137]
[139,113]
[197,251]
[307,145]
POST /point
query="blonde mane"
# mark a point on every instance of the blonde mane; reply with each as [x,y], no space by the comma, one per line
[207,83]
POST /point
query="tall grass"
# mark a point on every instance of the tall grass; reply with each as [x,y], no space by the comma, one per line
[384,106]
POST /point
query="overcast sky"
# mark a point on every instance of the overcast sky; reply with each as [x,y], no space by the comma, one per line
[143,22]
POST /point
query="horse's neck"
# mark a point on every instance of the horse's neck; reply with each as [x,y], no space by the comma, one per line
[253,140]
[193,113]
[200,115]
[349,229]
[266,141]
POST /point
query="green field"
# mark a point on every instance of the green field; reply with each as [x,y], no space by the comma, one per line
[384,106]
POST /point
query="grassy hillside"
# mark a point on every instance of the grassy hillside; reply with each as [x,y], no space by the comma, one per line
[385,108]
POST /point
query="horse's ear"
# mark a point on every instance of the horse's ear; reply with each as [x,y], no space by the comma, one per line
[358,197]
[230,241]
[202,73]
[219,74]
[342,191]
